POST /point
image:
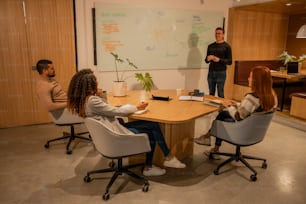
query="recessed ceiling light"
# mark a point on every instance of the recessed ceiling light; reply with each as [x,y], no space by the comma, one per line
[288,4]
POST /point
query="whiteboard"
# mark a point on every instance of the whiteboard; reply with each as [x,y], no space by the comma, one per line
[153,38]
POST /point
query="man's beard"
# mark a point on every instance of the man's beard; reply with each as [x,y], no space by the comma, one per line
[51,75]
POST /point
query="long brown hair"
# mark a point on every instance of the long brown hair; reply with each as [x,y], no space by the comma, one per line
[83,84]
[261,85]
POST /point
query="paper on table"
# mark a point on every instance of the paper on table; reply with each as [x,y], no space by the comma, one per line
[141,111]
[216,101]
[213,102]
[191,98]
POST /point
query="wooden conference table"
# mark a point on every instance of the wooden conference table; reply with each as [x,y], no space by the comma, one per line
[286,77]
[176,118]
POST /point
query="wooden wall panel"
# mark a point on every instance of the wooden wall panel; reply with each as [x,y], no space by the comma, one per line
[254,36]
[47,31]
[16,105]
[296,46]
[52,21]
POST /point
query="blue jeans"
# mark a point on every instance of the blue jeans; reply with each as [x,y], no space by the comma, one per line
[152,129]
[223,116]
[216,79]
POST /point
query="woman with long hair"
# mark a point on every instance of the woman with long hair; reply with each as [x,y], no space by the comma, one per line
[262,98]
[86,100]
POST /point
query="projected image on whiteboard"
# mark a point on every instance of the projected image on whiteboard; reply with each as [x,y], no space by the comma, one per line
[153,38]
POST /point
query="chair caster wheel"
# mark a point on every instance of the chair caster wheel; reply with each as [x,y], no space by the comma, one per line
[264,165]
[145,187]
[87,179]
[46,145]
[253,177]
[68,151]
[105,196]
[216,172]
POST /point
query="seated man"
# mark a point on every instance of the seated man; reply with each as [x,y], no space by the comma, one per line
[54,98]
[48,89]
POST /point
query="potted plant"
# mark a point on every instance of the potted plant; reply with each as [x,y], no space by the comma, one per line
[286,58]
[120,86]
[145,80]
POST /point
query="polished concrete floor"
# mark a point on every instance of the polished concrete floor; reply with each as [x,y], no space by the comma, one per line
[33,175]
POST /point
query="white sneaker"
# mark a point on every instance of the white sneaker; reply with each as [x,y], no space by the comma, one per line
[214,156]
[202,140]
[174,163]
[154,171]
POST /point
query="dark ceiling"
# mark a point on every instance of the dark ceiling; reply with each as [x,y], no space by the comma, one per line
[279,6]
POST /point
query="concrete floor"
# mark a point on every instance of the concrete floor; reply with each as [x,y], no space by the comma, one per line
[33,175]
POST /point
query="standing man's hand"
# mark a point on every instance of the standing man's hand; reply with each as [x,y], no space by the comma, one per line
[210,57]
[213,58]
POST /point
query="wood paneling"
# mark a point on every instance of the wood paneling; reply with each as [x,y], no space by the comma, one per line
[16,105]
[44,31]
[279,6]
[254,36]
[297,108]
[296,46]
[52,21]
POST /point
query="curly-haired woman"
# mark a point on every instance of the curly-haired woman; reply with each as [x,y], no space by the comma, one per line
[85,99]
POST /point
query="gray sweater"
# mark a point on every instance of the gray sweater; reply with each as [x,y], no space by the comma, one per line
[99,109]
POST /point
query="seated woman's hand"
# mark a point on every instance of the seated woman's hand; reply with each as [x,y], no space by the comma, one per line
[227,103]
[142,105]
[99,92]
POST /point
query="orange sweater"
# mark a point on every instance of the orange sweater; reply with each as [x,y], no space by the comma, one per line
[51,94]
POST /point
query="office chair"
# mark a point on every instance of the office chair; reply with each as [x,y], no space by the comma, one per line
[115,146]
[247,132]
[63,117]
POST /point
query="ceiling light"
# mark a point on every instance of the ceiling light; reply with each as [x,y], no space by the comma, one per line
[302,32]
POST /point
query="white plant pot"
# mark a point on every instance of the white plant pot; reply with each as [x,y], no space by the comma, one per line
[300,67]
[144,96]
[119,88]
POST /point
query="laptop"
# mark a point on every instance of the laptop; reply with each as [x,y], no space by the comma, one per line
[292,68]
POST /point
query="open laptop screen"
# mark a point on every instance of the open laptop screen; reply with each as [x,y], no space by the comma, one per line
[292,67]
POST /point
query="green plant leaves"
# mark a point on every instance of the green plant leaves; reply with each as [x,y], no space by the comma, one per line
[145,80]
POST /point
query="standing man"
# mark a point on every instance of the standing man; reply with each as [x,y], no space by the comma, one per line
[219,54]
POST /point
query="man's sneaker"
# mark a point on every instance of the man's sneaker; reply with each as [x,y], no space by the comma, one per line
[154,171]
[202,140]
[214,156]
[174,163]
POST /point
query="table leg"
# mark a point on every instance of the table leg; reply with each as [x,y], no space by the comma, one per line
[179,138]
[283,95]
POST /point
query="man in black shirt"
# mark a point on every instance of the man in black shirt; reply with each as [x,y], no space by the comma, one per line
[219,54]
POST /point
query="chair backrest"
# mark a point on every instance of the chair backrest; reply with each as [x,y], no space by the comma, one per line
[114,145]
[65,117]
[246,132]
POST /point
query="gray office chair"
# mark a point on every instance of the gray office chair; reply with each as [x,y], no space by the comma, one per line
[63,117]
[243,133]
[115,146]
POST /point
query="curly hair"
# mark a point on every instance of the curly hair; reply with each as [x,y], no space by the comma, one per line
[262,86]
[83,84]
